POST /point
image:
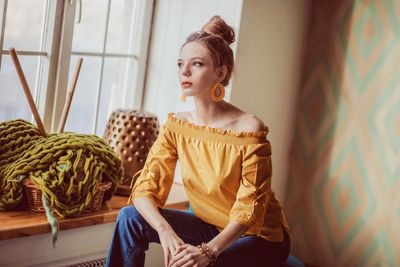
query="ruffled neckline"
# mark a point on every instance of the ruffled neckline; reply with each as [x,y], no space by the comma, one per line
[219,131]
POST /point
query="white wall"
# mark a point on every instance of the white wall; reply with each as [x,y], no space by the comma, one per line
[268,62]
[73,246]
[174,21]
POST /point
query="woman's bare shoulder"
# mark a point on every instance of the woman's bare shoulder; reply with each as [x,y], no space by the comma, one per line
[249,123]
[183,115]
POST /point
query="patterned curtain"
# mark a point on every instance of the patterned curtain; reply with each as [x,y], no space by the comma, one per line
[343,197]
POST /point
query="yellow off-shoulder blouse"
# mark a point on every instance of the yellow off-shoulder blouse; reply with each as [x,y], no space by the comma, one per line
[226,176]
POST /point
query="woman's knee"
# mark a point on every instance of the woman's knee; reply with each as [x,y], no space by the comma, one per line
[130,214]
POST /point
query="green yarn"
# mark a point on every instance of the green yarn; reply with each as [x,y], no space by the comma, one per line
[51,219]
[67,167]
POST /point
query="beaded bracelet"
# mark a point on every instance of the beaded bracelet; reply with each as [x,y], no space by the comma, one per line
[206,251]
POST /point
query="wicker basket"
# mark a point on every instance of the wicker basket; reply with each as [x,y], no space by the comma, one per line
[131,133]
[33,197]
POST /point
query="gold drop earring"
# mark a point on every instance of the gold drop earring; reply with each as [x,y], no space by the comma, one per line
[217,92]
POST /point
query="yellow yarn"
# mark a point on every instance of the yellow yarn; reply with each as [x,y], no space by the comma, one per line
[67,167]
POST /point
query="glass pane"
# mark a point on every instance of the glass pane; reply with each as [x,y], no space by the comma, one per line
[113,88]
[81,114]
[13,103]
[120,26]
[24,24]
[89,33]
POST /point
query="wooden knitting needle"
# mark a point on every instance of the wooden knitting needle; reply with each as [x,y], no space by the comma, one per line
[70,95]
[27,91]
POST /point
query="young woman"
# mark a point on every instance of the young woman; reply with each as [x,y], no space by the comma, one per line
[226,170]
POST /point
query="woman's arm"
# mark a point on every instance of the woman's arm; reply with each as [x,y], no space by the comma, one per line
[169,240]
[148,209]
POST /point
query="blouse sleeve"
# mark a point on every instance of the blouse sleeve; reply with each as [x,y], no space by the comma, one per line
[255,187]
[157,175]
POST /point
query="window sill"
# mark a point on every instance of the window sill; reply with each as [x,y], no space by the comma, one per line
[16,224]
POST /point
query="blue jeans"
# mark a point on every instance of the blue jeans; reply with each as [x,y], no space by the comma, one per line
[132,235]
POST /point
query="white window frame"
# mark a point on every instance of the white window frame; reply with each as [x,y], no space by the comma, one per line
[56,50]
[3,11]
[133,97]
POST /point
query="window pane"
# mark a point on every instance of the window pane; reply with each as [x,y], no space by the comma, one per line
[24,24]
[89,33]
[120,26]
[81,114]
[113,88]
[13,103]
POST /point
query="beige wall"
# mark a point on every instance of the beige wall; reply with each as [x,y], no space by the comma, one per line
[267,74]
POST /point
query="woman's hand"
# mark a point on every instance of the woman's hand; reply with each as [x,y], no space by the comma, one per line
[169,241]
[188,255]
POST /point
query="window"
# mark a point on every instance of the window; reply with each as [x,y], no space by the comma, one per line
[49,36]
[24,32]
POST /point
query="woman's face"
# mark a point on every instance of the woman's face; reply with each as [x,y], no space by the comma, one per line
[196,70]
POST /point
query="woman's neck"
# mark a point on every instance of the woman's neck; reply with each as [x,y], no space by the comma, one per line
[208,112]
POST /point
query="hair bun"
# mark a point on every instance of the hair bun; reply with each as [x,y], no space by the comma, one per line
[217,26]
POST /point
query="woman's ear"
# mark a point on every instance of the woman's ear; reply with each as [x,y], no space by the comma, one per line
[221,72]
